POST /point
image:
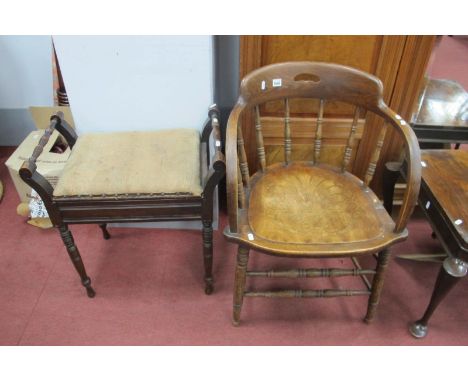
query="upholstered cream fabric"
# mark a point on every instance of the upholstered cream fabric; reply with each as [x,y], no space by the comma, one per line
[165,161]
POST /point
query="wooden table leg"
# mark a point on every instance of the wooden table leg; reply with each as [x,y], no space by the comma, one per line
[450,273]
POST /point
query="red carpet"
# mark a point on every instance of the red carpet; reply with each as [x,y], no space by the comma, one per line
[150,292]
[449,60]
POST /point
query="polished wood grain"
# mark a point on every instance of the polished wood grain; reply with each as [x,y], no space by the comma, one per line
[446,176]
[327,207]
[357,51]
[103,209]
[442,103]
[309,208]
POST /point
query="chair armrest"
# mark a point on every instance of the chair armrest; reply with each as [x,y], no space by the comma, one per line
[232,167]
[31,177]
[65,129]
[213,118]
[413,161]
[217,166]
[212,128]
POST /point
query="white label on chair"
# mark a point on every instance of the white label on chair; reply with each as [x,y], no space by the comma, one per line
[403,122]
[277,82]
[428,204]
[424,164]
[263,85]
[398,116]
[250,236]
[218,144]
[458,222]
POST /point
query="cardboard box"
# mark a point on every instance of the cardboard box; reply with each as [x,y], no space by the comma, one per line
[41,115]
[49,164]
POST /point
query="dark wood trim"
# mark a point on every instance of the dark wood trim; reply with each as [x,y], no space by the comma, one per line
[64,128]
[430,133]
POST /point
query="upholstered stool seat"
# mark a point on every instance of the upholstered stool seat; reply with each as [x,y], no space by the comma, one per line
[136,162]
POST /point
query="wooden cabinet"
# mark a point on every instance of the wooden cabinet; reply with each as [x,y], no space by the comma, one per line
[399,61]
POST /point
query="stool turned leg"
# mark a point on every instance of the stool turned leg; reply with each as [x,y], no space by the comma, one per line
[208,255]
[105,232]
[450,273]
[239,283]
[76,259]
[377,285]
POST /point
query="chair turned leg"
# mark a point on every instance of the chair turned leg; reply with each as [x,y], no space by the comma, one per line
[76,259]
[377,285]
[239,283]
[208,255]
[105,232]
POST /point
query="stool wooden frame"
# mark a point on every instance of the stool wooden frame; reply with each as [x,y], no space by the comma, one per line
[324,82]
[130,208]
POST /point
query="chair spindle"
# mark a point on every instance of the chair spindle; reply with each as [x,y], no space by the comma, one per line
[260,146]
[318,132]
[348,150]
[375,155]
[244,167]
[287,133]
[240,187]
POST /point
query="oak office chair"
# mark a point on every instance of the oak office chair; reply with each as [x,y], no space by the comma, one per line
[132,177]
[308,209]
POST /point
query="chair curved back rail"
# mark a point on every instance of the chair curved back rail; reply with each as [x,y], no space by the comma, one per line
[325,82]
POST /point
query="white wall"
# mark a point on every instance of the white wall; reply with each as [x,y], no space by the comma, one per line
[117,83]
[25,80]
[25,72]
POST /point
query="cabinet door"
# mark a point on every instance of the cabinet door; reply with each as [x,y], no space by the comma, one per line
[379,55]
